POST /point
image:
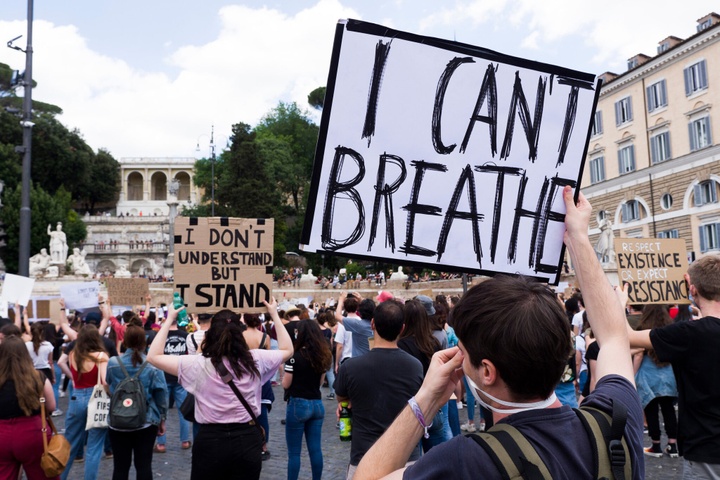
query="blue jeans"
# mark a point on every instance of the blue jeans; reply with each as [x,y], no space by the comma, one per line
[330,375]
[263,420]
[453,417]
[176,391]
[565,392]
[304,416]
[470,398]
[75,434]
[58,381]
[439,431]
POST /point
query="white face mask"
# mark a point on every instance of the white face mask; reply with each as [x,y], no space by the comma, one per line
[519,407]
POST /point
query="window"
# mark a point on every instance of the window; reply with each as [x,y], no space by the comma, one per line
[704,25]
[630,211]
[663,47]
[597,169]
[597,127]
[695,78]
[666,201]
[660,147]
[656,96]
[623,111]
[700,136]
[705,192]
[668,234]
[626,159]
[632,63]
[709,237]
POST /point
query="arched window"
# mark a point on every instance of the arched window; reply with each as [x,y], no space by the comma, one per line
[184,192]
[706,192]
[158,186]
[630,211]
[135,187]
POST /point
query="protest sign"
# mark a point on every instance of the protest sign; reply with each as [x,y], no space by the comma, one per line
[445,155]
[224,263]
[127,291]
[654,269]
[80,296]
[17,288]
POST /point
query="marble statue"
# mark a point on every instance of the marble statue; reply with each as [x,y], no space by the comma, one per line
[399,275]
[58,244]
[39,262]
[52,272]
[79,265]
[605,247]
[123,235]
[122,272]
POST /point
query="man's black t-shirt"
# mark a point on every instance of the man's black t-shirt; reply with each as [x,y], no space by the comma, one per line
[378,384]
[693,350]
[176,344]
[592,352]
[556,433]
[410,346]
[305,381]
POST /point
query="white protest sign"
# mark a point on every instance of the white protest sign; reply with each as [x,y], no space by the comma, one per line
[80,296]
[17,289]
[445,155]
[3,308]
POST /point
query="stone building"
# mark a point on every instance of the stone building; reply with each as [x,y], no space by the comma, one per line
[137,236]
[653,168]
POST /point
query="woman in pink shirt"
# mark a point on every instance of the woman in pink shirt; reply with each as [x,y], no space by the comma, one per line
[229,444]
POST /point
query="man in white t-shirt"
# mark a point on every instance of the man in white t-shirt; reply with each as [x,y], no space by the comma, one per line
[343,350]
[195,339]
[577,320]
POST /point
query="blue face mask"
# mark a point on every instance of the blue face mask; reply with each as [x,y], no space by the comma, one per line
[514,407]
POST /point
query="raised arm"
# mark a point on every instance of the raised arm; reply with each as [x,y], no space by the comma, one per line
[340,307]
[64,324]
[285,343]
[605,312]
[156,355]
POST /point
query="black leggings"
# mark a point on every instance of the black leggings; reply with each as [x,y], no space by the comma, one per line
[667,406]
[138,443]
[227,451]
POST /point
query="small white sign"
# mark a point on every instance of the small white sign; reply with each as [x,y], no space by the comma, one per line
[17,289]
[80,295]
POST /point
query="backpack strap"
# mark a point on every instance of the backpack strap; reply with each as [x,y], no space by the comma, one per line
[611,453]
[195,344]
[125,372]
[513,455]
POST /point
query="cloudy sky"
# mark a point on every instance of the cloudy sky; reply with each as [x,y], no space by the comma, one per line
[149,77]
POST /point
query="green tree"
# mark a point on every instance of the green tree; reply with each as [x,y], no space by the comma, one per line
[316,98]
[102,182]
[46,209]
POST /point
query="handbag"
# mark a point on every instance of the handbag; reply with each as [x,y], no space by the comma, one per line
[188,408]
[56,452]
[227,378]
[98,407]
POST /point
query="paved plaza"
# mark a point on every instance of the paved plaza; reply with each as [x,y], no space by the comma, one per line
[175,464]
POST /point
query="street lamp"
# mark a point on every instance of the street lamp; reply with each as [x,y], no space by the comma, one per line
[212,167]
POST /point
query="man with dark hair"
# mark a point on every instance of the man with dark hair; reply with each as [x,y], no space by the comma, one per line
[379,383]
[358,325]
[514,345]
[692,350]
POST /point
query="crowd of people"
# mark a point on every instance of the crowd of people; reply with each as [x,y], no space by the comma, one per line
[404,367]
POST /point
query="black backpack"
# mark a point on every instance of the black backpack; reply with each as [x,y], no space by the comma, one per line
[128,405]
[516,458]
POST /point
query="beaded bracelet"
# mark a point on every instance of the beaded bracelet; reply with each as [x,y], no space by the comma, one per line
[419,415]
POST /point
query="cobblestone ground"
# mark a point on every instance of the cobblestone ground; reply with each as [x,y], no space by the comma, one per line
[175,464]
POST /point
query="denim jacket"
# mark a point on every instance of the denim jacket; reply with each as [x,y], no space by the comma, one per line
[151,378]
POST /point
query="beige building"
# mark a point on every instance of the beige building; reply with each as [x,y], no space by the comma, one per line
[653,167]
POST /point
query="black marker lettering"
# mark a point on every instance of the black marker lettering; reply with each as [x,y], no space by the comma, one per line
[414,208]
[384,192]
[451,214]
[439,99]
[336,189]
[497,207]
[382,50]
[531,126]
[489,90]
[199,292]
[189,233]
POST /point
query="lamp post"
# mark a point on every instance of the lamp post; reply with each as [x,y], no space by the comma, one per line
[212,168]
[27,124]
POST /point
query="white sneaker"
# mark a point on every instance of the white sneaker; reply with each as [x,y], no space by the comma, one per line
[56,413]
[459,405]
[62,394]
[482,426]
[468,427]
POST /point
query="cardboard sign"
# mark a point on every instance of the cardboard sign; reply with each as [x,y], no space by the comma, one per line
[80,296]
[55,311]
[654,268]
[224,263]
[128,291]
[17,288]
[444,155]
